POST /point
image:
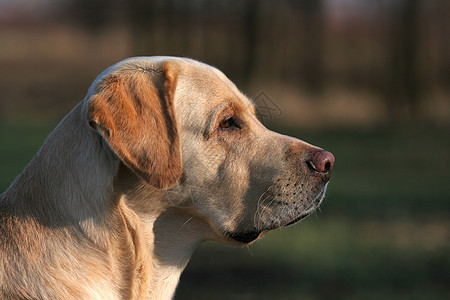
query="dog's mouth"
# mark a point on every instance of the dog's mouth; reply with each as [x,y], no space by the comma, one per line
[298,219]
[314,205]
[246,237]
[251,236]
[303,215]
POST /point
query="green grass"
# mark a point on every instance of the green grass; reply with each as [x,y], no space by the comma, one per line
[382,232]
[19,143]
[325,258]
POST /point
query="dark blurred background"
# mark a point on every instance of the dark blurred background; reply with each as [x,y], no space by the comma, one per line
[367,80]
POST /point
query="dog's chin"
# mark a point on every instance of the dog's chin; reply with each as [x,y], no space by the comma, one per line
[246,237]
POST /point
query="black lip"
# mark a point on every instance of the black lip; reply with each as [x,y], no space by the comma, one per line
[244,237]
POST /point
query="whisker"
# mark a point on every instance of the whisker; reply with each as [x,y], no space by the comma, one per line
[257,216]
[250,250]
[263,208]
[184,224]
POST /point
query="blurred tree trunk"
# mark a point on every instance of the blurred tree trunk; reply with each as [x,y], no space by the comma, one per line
[93,15]
[443,21]
[312,43]
[142,19]
[403,89]
[251,34]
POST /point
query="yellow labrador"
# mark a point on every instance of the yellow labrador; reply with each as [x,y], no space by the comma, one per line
[162,154]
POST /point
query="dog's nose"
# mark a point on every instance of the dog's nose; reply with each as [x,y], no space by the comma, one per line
[321,161]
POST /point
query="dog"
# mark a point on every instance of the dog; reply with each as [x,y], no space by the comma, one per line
[162,154]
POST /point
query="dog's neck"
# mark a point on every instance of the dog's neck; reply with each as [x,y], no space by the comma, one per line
[176,235]
[171,234]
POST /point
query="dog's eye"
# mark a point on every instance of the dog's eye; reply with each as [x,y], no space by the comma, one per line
[227,123]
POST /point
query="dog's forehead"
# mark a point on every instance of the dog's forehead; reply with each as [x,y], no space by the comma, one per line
[195,78]
[207,86]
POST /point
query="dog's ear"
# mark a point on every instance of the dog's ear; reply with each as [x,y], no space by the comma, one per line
[134,112]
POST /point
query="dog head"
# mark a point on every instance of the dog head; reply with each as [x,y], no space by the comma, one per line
[186,130]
